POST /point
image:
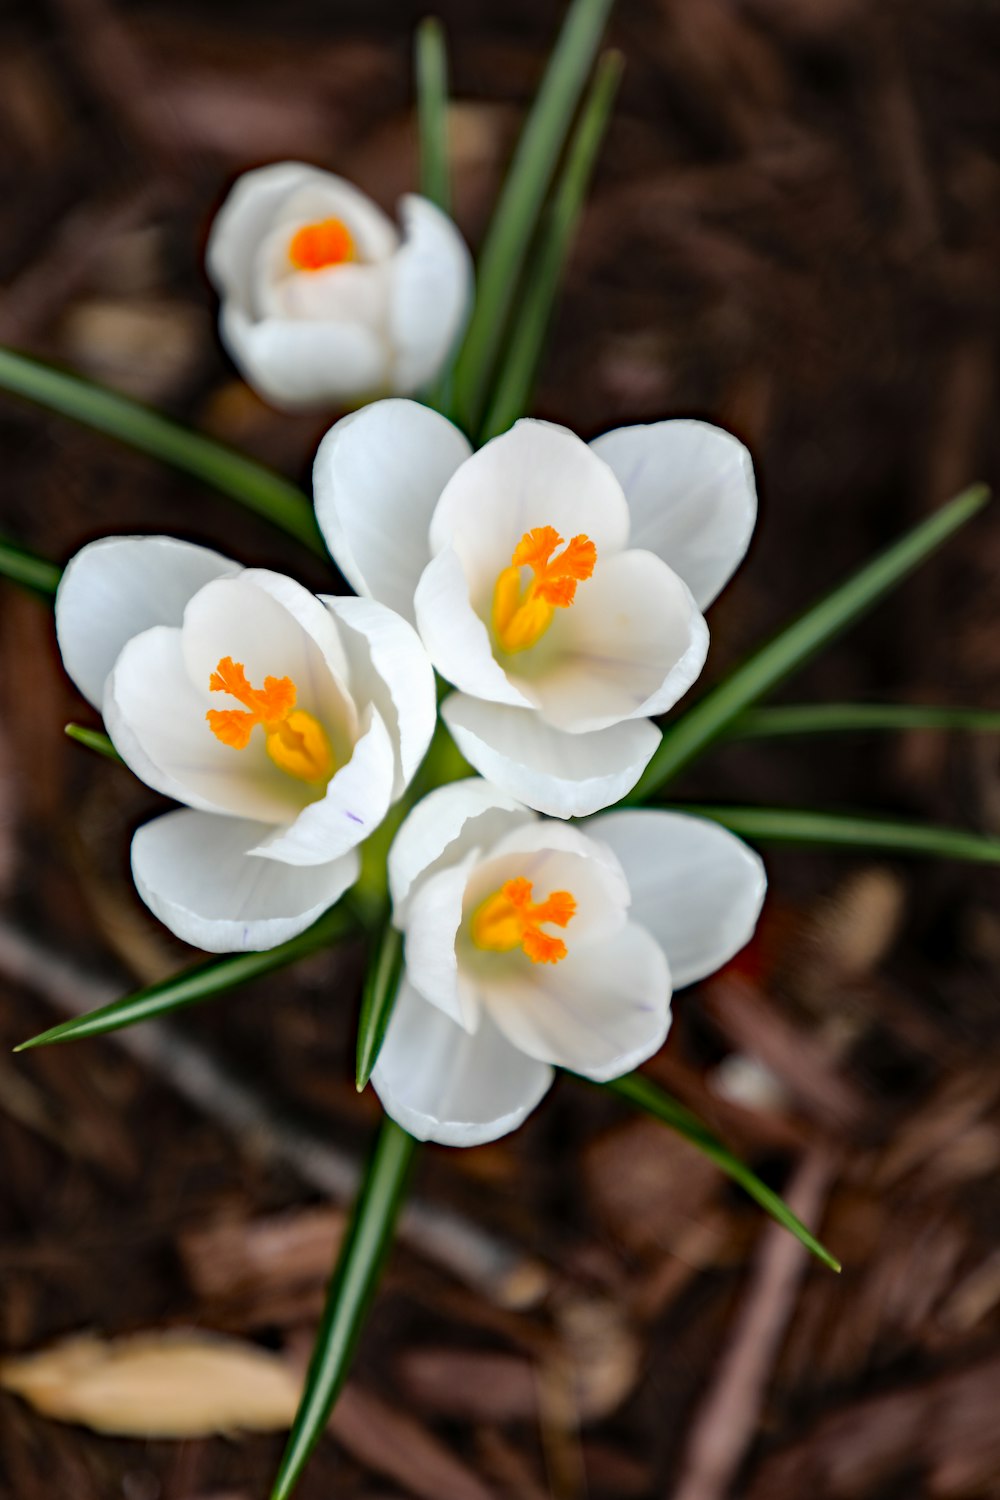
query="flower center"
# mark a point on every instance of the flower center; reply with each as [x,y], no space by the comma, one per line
[326,243]
[295,740]
[522,614]
[509,919]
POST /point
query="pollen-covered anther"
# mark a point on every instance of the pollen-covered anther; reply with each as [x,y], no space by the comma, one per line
[294,739]
[328,242]
[509,919]
[521,615]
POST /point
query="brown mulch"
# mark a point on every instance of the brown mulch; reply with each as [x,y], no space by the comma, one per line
[795,232]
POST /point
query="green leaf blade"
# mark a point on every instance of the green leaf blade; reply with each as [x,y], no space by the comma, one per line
[382,980]
[519,205]
[254,486]
[93,739]
[516,377]
[712,715]
[28,570]
[858,718]
[432,112]
[352,1288]
[645,1095]
[833,830]
[194,985]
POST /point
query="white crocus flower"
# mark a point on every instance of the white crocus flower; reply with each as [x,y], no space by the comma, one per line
[287,724]
[323,300]
[531,945]
[558,586]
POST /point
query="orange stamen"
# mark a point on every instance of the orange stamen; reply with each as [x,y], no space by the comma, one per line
[521,616]
[509,919]
[295,741]
[326,243]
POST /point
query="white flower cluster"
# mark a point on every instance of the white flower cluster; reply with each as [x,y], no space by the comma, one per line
[557,586]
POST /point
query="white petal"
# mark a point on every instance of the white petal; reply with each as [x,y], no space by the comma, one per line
[118,587]
[195,872]
[288,192]
[275,628]
[697,887]
[245,217]
[356,801]
[691,493]
[390,668]
[323,195]
[431,293]
[335,294]
[600,1012]
[441,1084]
[445,826]
[295,365]
[376,480]
[537,474]
[628,648]
[432,924]
[457,641]
[565,775]
[155,716]
[554,857]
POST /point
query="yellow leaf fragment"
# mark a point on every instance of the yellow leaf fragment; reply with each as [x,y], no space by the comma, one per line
[172,1385]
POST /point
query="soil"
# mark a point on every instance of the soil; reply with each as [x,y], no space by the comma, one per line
[794,232]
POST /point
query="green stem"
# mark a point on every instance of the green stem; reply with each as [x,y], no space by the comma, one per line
[352,1288]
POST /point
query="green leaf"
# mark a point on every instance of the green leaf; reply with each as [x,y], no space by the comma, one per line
[27,569]
[515,218]
[645,1094]
[94,739]
[199,983]
[857,718]
[432,112]
[826,830]
[516,378]
[712,715]
[378,997]
[352,1288]
[254,486]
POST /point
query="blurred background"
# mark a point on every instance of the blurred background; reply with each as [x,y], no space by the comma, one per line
[794,232]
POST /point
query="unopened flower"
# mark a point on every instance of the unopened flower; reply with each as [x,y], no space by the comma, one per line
[287,725]
[323,299]
[531,945]
[558,586]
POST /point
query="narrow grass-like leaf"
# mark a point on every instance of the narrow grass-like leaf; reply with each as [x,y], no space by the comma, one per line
[254,486]
[27,569]
[352,1287]
[519,367]
[645,1094]
[515,218]
[712,715]
[857,718]
[94,739]
[378,997]
[199,983]
[832,830]
[432,112]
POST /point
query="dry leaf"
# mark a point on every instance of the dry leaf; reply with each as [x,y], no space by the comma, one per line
[173,1385]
